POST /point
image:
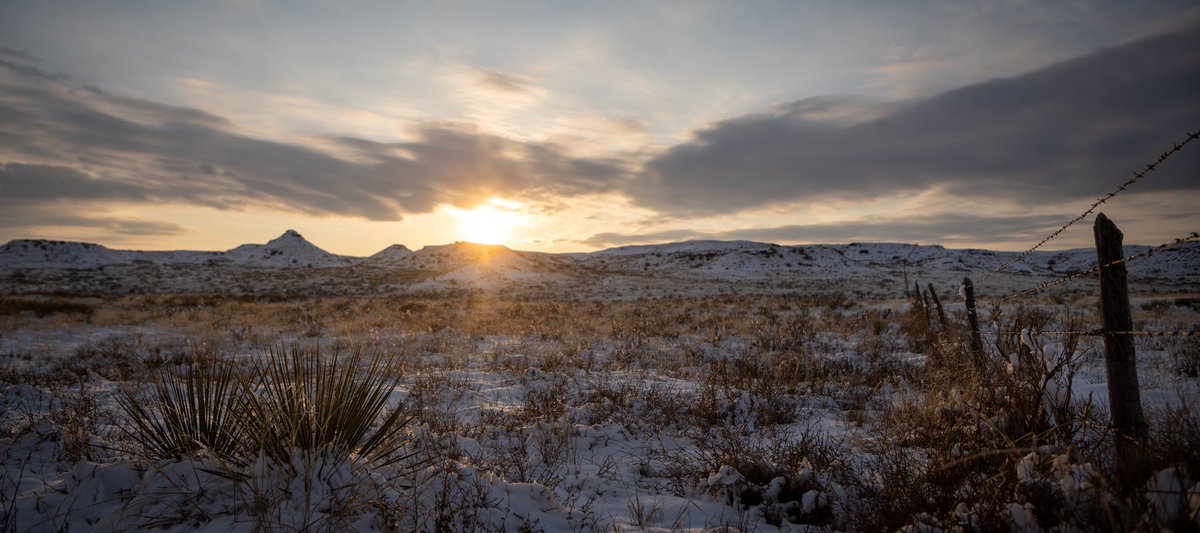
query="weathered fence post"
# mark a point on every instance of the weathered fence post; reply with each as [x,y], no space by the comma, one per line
[928,309]
[937,302]
[1120,360]
[972,320]
[918,300]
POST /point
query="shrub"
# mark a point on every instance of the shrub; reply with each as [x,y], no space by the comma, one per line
[293,399]
[304,401]
[194,410]
[43,308]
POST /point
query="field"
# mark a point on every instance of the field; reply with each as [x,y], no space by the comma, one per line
[739,413]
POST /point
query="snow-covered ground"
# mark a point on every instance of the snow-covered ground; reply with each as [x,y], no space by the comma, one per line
[685,387]
[740,413]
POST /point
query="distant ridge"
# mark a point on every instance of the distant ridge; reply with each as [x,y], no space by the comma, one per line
[289,250]
[39,253]
[486,265]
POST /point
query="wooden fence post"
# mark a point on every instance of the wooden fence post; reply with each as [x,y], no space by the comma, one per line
[918,300]
[928,308]
[972,320]
[938,303]
[1120,360]
[907,295]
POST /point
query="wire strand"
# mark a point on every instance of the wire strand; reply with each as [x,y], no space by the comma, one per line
[1100,332]
[1137,176]
[1149,251]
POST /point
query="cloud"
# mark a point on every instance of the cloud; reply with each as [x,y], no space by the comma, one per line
[38,196]
[61,141]
[837,110]
[1071,130]
[29,70]
[610,239]
[947,228]
[20,55]
[30,218]
[22,62]
[506,83]
[20,183]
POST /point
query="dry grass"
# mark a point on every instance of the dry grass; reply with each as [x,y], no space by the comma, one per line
[931,435]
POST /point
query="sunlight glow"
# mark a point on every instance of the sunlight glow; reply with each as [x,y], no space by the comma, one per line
[491,223]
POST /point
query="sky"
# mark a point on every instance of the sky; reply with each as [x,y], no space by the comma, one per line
[577,126]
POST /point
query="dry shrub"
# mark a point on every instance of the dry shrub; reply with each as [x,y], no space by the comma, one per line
[433,402]
[1175,439]
[996,442]
[641,408]
[780,331]
[1184,354]
[41,308]
[789,473]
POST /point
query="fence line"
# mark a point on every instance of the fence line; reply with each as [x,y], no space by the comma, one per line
[1120,359]
[1148,252]
[1137,176]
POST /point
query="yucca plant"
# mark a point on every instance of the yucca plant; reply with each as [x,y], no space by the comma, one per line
[291,400]
[304,401]
[194,409]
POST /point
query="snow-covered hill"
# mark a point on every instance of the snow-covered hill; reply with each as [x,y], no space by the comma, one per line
[38,253]
[391,254]
[695,266]
[447,257]
[725,259]
[484,266]
[287,250]
[749,260]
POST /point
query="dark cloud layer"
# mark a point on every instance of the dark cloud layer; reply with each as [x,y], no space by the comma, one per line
[945,228]
[21,183]
[32,216]
[34,196]
[59,141]
[1070,130]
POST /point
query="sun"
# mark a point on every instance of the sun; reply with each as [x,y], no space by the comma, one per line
[491,223]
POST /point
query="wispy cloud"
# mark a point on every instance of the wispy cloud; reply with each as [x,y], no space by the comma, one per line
[507,83]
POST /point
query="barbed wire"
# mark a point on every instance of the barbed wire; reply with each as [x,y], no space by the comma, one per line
[1148,252]
[1100,332]
[1137,176]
